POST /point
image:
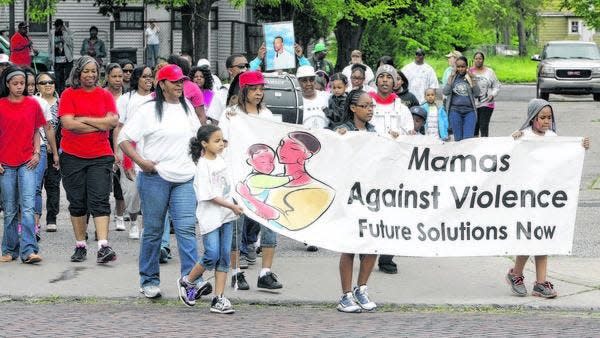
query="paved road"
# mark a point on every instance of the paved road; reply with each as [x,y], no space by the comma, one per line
[134,320]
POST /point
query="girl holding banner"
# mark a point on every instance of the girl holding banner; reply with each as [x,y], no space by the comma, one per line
[540,123]
[359,111]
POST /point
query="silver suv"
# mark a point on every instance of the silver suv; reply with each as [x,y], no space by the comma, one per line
[568,67]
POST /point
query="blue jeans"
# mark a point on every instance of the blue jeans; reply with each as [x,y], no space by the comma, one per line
[40,171]
[18,191]
[179,199]
[166,237]
[268,237]
[463,124]
[153,51]
[217,245]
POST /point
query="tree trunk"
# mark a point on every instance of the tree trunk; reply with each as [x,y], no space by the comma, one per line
[201,16]
[506,35]
[187,33]
[521,28]
[348,34]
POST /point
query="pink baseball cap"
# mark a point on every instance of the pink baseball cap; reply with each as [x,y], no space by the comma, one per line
[170,73]
[251,78]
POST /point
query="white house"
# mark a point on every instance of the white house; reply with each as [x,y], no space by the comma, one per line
[232,30]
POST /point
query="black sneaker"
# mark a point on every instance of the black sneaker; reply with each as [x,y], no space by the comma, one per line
[269,281]
[106,254]
[390,268]
[79,255]
[242,284]
[164,256]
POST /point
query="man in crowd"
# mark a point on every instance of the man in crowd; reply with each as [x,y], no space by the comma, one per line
[356,58]
[420,75]
[93,46]
[257,63]
[62,47]
[318,60]
[21,47]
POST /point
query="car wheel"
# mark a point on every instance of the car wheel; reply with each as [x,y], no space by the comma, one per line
[596,97]
[540,94]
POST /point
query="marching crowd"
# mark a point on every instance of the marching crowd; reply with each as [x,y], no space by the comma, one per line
[153,136]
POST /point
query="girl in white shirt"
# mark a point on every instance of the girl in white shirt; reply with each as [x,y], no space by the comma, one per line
[215,212]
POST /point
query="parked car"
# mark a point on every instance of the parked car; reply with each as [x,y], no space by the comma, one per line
[568,67]
[40,62]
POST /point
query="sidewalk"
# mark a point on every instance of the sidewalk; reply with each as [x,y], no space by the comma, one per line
[429,282]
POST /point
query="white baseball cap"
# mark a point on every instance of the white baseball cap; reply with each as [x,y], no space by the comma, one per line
[203,62]
[305,71]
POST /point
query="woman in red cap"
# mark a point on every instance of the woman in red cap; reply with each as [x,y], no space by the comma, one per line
[87,113]
[250,101]
[165,127]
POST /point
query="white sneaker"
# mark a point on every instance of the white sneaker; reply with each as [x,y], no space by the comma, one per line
[50,227]
[120,223]
[150,291]
[134,231]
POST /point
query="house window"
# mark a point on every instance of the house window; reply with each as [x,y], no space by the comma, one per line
[574,27]
[35,27]
[176,18]
[129,18]
[214,18]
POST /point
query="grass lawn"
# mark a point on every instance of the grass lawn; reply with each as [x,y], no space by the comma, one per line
[508,69]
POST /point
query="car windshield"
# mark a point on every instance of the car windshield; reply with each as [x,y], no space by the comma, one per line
[572,51]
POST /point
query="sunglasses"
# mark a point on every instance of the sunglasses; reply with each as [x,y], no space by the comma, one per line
[127,70]
[242,66]
[43,83]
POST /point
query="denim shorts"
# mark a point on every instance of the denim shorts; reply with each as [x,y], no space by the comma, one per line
[217,245]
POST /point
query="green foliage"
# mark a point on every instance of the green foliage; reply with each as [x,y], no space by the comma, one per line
[379,38]
[589,10]
[508,69]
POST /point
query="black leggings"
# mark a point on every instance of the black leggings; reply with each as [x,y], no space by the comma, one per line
[482,127]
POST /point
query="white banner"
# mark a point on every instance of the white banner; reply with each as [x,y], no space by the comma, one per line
[363,193]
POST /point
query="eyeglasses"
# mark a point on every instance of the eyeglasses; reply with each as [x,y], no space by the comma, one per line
[242,66]
[127,70]
[365,106]
[43,83]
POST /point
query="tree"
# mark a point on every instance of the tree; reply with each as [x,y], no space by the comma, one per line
[589,10]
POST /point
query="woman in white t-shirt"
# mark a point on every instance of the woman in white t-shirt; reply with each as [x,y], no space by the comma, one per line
[128,104]
[165,127]
[250,101]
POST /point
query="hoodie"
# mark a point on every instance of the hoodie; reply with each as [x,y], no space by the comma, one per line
[533,108]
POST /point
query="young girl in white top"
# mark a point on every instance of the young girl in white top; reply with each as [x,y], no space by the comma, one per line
[215,212]
[540,123]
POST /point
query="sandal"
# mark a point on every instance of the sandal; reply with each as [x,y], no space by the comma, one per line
[6,258]
[33,258]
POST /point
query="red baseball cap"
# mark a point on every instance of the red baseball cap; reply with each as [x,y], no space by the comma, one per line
[251,78]
[170,73]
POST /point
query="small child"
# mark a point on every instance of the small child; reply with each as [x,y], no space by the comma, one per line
[437,118]
[215,212]
[337,101]
[419,117]
[539,123]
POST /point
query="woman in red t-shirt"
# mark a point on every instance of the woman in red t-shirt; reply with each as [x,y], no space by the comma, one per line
[20,119]
[87,114]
